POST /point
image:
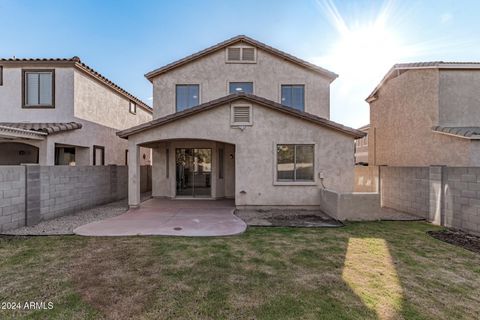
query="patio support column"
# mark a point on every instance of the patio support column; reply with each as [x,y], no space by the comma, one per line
[133,175]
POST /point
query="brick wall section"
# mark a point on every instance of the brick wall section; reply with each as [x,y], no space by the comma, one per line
[462,198]
[12,197]
[406,189]
[65,189]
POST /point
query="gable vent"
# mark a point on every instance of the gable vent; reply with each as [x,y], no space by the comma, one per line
[248,54]
[241,115]
[233,54]
[241,54]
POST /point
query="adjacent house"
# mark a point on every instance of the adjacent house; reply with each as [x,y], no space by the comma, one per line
[426,113]
[246,121]
[62,112]
[361,147]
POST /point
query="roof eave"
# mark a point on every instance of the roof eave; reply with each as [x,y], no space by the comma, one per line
[252,98]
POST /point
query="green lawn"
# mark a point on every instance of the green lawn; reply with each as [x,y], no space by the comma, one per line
[378,270]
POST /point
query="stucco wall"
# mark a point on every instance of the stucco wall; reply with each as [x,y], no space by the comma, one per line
[459,97]
[11,97]
[267,75]
[255,153]
[400,124]
[95,102]
[366,179]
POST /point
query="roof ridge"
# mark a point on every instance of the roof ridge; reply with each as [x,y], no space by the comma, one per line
[222,44]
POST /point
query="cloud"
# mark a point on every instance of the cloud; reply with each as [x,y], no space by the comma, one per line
[150,98]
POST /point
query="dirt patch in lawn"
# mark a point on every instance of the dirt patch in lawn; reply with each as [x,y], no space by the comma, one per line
[458,238]
[287,218]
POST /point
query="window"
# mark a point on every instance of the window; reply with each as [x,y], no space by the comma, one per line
[295,162]
[38,88]
[241,54]
[64,156]
[241,115]
[293,96]
[126,157]
[133,107]
[246,87]
[187,96]
[1,75]
[220,163]
[98,156]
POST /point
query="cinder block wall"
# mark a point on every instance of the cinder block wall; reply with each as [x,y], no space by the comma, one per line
[31,193]
[12,197]
[406,189]
[448,196]
[461,207]
[66,189]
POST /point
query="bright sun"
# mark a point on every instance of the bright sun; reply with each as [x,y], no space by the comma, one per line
[367,47]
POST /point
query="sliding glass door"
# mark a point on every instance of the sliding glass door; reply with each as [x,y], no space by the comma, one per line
[193,172]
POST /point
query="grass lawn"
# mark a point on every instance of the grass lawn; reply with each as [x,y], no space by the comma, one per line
[378,270]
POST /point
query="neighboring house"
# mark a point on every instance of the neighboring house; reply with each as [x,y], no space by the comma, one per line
[62,112]
[361,147]
[246,121]
[425,114]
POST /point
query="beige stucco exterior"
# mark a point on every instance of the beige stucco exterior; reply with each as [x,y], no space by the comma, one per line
[79,98]
[406,108]
[267,74]
[250,175]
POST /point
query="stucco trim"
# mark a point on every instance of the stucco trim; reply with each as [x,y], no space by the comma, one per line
[470,133]
[241,38]
[247,97]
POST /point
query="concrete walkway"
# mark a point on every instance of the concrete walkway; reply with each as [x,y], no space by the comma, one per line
[191,218]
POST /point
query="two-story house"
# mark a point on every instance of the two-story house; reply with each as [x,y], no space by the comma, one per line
[361,147]
[62,112]
[426,113]
[246,121]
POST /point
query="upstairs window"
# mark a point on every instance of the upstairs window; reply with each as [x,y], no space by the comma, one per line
[293,96]
[187,96]
[133,107]
[241,54]
[236,87]
[38,88]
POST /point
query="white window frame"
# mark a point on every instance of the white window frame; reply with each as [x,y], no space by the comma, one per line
[295,183]
[241,54]
[134,107]
[232,117]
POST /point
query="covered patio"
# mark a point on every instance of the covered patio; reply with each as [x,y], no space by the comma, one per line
[171,218]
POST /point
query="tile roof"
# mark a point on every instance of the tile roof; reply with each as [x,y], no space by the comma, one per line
[462,132]
[245,96]
[241,38]
[75,61]
[423,65]
[48,128]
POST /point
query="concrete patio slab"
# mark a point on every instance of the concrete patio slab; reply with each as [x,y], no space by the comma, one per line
[190,218]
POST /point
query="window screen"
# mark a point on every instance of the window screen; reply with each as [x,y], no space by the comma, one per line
[187,96]
[293,96]
[38,88]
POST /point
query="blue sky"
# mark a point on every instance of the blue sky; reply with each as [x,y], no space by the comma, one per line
[359,40]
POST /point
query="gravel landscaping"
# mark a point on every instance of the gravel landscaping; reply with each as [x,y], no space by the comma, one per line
[66,224]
